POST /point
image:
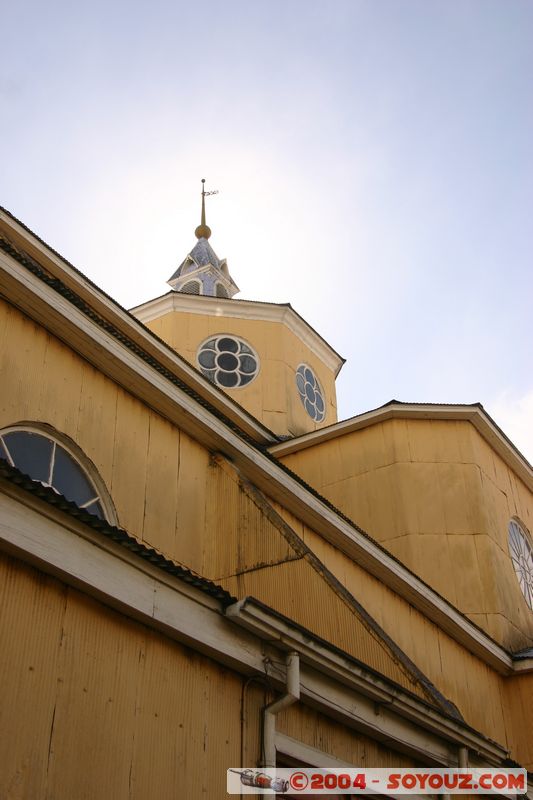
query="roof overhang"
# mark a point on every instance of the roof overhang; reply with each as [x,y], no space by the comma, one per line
[242,309]
[44,309]
[47,536]
[474,414]
[132,356]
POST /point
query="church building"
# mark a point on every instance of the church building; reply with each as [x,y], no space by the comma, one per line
[202,568]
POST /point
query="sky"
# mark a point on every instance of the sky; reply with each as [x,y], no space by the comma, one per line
[374,162]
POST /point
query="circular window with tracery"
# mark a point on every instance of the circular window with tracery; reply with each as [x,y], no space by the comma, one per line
[311,393]
[45,459]
[228,361]
[521,550]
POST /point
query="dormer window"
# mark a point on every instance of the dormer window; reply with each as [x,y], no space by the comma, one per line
[191,287]
[58,465]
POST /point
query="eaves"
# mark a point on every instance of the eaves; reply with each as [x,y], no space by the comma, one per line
[169,386]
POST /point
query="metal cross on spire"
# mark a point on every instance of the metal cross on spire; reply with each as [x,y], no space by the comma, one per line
[203,231]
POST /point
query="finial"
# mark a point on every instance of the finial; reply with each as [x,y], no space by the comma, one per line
[203,231]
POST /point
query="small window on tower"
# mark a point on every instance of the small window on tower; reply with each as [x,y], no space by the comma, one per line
[311,392]
[192,287]
[227,361]
[221,291]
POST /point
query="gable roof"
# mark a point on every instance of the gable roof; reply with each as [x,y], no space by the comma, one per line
[71,307]
[395,409]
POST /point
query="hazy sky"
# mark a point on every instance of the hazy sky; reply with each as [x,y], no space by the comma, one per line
[374,160]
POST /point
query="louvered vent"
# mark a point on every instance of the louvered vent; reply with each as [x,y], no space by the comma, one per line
[192,287]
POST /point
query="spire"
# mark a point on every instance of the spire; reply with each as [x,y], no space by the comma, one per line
[203,231]
[203,272]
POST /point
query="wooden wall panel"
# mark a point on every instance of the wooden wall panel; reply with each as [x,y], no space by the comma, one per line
[320,610]
[96,705]
[162,470]
[330,737]
[461,677]
[424,488]
[32,613]
[518,694]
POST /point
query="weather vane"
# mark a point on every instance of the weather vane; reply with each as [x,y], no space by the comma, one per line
[206,194]
[203,231]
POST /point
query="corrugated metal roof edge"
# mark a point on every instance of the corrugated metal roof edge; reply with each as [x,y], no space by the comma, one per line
[345,422]
[329,645]
[114,533]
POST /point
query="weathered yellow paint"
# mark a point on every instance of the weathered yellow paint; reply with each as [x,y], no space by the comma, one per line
[440,499]
[272,397]
[136,452]
[95,705]
[330,737]
[469,683]
[436,495]
[518,696]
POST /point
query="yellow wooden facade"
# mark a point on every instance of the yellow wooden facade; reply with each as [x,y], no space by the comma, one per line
[449,498]
[104,699]
[281,339]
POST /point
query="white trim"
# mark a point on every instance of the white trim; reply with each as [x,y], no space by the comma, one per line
[56,314]
[477,416]
[281,632]
[62,546]
[243,309]
[307,754]
[313,757]
[18,284]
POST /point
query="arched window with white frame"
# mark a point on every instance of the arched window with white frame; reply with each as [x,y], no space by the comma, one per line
[55,461]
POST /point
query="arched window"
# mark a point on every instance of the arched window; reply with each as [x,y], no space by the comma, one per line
[51,459]
[191,287]
[221,291]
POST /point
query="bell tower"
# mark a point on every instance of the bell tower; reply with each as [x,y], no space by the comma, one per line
[263,355]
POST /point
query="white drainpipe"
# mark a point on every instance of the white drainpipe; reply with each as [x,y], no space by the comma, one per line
[269,715]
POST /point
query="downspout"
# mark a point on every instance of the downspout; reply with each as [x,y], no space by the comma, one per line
[463,764]
[269,713]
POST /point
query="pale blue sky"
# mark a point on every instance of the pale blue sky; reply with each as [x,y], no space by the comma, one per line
[374,161]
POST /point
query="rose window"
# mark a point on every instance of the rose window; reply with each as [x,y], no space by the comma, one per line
[227,361]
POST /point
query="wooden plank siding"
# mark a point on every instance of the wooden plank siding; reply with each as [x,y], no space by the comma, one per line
[440,499]
[97,705]
[170,492]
